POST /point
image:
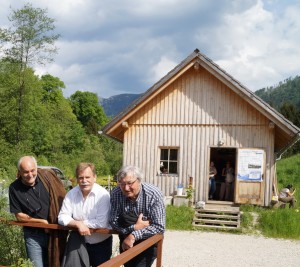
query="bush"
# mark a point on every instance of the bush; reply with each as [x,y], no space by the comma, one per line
[23,263]
[12,246]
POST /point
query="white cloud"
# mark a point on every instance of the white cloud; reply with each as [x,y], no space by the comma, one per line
[115,46]
[254,46]
[160,69]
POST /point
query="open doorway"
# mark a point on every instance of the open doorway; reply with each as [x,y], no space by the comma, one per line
[224,160]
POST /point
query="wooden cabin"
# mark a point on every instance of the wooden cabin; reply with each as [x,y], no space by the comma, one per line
[196,114]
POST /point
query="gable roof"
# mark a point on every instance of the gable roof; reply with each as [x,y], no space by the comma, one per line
[286,133]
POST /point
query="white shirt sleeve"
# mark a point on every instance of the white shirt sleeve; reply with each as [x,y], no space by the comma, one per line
[65,213]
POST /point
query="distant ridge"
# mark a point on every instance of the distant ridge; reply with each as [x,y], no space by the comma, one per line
[115,104]
[286,91]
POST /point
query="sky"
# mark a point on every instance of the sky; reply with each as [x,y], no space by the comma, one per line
[113,47]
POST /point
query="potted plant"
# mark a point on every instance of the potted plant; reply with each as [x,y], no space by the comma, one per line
[190,194]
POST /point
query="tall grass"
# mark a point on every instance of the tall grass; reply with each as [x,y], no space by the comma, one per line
[280,223]
[179,218]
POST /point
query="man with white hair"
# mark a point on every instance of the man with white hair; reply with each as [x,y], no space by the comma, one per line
[137,213]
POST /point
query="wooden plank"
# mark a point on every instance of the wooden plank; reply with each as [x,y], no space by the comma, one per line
[217,211]
[57,227]
[215,226]
[134,251]
[216,216]
[222,222]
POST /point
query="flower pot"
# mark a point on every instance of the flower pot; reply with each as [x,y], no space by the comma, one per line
[179,191]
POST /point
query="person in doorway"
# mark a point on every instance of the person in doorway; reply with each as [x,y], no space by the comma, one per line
[86,206]
[212,181]
[137,213]
[286,195]
[35,197]
[228,172]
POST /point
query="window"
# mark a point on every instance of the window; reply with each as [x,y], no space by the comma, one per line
[169,160]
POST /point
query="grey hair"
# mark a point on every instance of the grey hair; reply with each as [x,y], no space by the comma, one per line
[21,160]
[130,170]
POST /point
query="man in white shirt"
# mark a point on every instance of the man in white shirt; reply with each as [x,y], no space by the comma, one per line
[88,206]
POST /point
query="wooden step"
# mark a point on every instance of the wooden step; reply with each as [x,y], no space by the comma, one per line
[225,217]
[215,227]
[218,222]
[216,216]
[217,211]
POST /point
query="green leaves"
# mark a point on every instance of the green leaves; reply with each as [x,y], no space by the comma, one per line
[30,39]
[86,107]
[35,117]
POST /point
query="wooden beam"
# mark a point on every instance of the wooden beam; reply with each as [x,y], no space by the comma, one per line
[134,251]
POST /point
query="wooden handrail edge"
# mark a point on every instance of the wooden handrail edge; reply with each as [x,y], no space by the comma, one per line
[55,226]
[132,252]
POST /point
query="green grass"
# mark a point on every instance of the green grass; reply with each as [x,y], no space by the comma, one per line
[280,223]
[179,218]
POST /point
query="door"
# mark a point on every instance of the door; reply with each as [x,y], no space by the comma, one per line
[221,156]
[250,180]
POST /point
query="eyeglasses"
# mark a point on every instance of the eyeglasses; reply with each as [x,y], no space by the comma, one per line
[130,184]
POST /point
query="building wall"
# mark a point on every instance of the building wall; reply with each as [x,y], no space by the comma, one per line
[193,114]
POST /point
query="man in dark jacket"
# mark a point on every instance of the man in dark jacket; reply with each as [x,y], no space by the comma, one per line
[36,197]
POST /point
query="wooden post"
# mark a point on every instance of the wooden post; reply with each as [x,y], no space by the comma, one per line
[159,253]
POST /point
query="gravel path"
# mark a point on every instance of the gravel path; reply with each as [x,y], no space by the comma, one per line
[194,249]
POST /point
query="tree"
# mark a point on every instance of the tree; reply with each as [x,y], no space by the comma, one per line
[27,42]
[58,130]
[291,112]
[86,107]
[30,39]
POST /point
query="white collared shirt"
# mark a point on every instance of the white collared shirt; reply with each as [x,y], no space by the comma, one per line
[93,211]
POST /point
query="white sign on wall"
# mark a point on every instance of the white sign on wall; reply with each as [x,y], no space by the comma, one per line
[250,164]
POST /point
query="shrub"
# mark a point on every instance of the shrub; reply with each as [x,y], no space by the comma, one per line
[12,246]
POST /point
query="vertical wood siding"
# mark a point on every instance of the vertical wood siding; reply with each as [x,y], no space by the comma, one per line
[192,114]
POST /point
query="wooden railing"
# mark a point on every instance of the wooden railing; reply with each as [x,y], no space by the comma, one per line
[119,259]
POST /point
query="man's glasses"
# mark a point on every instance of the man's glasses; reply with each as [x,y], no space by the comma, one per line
[130,184]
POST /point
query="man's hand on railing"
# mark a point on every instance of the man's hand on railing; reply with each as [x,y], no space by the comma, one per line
[23,217]
[128,242]
[82,228]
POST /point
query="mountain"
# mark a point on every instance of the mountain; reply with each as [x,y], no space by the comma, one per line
[115,104]
[287,91]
